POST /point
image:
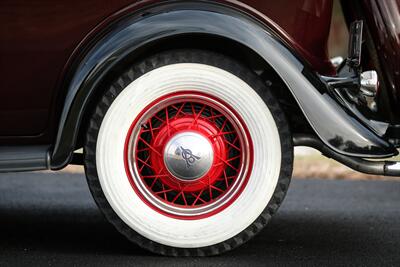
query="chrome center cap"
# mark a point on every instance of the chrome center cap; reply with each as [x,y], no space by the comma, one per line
[188,156]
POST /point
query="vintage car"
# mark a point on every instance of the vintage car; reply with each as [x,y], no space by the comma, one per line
[188,111]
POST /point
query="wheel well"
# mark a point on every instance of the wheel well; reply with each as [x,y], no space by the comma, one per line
[230,48]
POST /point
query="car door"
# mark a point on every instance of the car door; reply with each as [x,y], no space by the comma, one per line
[36,40]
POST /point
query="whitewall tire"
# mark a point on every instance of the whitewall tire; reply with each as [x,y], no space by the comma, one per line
[188,153]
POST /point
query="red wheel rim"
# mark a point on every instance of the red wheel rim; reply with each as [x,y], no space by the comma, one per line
[181,116]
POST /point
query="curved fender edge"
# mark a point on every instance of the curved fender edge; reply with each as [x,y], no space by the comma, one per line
[334,127]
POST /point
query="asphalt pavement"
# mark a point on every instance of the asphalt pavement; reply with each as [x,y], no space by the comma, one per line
[50,219]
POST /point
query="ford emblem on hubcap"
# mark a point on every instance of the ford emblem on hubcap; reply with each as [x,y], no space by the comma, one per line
[188,155]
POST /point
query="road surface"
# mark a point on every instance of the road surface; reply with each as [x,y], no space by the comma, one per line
[50,219]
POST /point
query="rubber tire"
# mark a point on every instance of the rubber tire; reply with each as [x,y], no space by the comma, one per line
[188,56]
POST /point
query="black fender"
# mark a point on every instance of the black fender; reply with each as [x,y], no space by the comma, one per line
[336,129]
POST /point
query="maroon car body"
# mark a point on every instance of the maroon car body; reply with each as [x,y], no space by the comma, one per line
[40,40]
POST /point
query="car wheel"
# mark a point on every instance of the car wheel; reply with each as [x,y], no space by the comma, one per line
[188,153]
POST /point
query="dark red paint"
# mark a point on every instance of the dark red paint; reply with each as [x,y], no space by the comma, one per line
[304,24]
[39,40]
[36,40]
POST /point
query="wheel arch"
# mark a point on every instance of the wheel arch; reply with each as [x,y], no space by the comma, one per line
[211,27]
[213,43]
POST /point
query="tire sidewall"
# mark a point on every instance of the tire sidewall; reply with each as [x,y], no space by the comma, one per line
[267,184]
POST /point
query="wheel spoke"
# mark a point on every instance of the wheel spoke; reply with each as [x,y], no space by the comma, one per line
[164,191]
[226,179]
[176,197]
[232,145]
[236,157]
[153,183]
[198,197]
[150,146]
[151,129]
[221,133]
[148,130]
[184,198]
[213,117]
[180,109]
[198,115]
[144,162]
[191,116]
[227,163]
[158,118]
[216,188]
[143,149]
[223,126]
[193,110]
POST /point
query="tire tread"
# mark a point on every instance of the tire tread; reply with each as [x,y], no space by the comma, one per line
[184,56]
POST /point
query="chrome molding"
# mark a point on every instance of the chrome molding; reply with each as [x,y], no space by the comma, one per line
[369,83]
[336,61]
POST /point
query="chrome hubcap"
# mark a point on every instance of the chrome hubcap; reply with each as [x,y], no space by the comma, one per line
[188,156]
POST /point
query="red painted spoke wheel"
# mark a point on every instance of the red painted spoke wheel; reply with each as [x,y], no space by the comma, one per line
[188,155]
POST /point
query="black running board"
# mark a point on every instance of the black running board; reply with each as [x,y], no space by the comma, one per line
[388,168]
[24,158]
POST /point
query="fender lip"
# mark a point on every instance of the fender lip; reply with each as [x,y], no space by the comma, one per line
[335,128]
